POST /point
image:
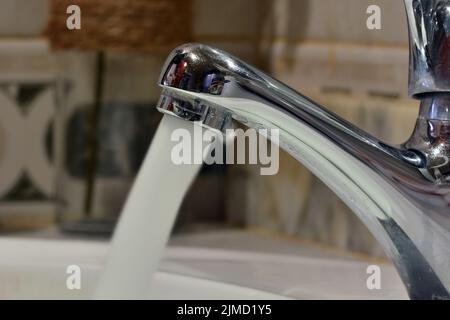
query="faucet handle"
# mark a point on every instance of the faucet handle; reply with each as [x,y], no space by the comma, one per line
[429,33]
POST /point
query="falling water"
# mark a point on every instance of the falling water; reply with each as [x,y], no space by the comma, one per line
[147,217]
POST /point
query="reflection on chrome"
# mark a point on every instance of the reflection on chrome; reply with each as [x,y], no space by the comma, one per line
[402,193]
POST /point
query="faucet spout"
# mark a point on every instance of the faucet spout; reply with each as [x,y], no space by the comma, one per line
[402,193]
[429,38]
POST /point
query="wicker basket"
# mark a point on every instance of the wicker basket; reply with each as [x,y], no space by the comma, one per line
[124,25]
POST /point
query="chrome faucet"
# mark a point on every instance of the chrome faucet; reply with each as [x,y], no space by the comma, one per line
[402,193]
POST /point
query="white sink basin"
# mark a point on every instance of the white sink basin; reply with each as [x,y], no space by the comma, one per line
[36,269]
[32,268]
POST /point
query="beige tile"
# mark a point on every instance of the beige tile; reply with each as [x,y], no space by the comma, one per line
[390,120]
[23,17]
[77,67]
[26,58]
[227,18]
[132,77]
[356,69]
[338,21]
[295,202]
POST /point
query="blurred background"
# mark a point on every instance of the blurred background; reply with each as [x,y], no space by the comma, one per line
[77,109]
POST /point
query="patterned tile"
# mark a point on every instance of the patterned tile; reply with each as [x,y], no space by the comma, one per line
[26,126]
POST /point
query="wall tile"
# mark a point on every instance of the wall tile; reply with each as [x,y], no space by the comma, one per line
[225,19]
[297,203]
[23,17]
[336,21]
[330,66]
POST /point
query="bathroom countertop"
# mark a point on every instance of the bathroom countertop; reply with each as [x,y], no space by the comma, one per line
[254,240]
[250,258]
[265,241]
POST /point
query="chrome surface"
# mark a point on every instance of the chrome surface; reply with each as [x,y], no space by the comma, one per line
[429,32]
[402,193]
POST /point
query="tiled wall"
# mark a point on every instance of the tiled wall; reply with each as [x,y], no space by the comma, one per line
[296,203]
[322,48]
[22,18]
[130,90]
[29,94]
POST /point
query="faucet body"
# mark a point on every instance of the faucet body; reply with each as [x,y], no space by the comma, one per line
[402,193]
